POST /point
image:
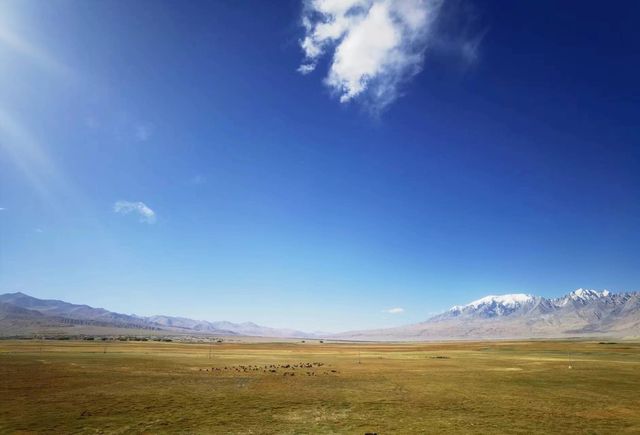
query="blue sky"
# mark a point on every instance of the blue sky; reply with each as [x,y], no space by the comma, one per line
[201,159]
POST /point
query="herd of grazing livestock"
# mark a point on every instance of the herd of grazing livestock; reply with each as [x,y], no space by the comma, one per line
[290,369]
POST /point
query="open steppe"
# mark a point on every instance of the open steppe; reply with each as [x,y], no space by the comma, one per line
[293,387]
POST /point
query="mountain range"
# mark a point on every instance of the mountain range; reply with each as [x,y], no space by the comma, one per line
[23,314]
[581,313]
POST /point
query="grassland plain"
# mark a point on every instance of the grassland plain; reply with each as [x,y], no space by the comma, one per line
[481,387]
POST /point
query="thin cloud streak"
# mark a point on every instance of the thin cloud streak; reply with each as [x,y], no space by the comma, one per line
[396,310]
[146,215]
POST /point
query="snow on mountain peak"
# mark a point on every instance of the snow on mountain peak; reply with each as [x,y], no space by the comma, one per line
[500,305]
[582,295]
[588,294]
[509,301]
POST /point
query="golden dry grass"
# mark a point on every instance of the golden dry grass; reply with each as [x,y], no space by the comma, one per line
[498,387]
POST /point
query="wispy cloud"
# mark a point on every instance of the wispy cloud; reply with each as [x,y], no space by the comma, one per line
[396,310]
[197,180]
[374,45]
[458,32]
[143,132]
[38,230]
[140,208]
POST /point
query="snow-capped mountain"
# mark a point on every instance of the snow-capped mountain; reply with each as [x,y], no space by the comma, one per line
[493,305]
[581,312]
[582,296]
[521,304]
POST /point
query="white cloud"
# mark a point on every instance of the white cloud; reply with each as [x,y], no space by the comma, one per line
[125,207]
[396,310]
[38,230]
[374,45]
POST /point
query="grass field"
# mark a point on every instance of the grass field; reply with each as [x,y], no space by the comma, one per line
[485,387]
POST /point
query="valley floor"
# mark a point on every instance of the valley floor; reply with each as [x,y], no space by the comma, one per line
[483,387]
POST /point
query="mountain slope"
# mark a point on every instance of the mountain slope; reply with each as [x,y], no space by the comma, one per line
[65,310]
[244,329]
[19,311]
